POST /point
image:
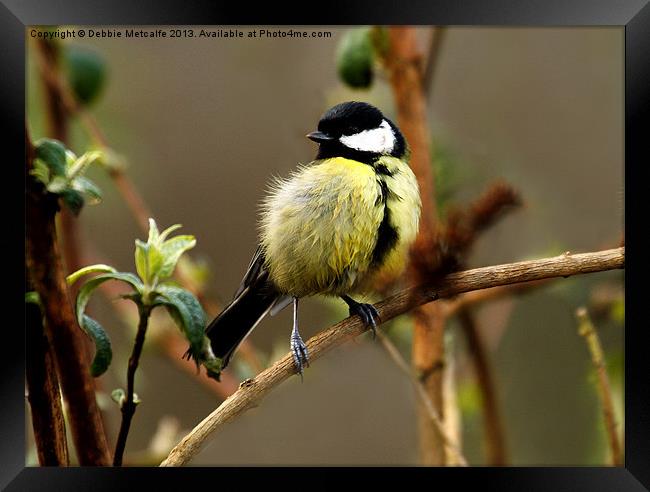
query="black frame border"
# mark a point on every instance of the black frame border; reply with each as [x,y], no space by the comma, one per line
[633,15]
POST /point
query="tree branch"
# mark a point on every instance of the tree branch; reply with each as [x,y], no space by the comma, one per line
[46,273]
[43,393]
[252,391]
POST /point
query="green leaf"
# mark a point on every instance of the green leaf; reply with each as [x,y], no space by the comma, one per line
[80,165]
[355,58]
[53,154]
[103,352]
[41,171]
[119,396]
[188,314]
[86,72]
[112,161]
[32,297]
[73,200]
[57,184]
[171,251]
[153,231]
[98,268]
[168,231]
[141,261]
[88,188]
[89,287]
[212,364]
[70,158]
[148,260]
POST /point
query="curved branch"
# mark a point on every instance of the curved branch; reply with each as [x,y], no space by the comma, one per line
[252,391]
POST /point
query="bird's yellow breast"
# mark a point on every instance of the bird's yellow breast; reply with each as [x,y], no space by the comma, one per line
[319,228]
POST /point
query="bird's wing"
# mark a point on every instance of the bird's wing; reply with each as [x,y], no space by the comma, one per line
[256,269]
[253,272]
[280,303]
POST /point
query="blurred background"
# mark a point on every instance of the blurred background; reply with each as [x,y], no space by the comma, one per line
[203,125]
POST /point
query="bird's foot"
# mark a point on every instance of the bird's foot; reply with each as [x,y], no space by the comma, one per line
[299,352]
[367,312]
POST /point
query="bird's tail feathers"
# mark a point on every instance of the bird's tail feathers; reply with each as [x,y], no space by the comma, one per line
[240,318]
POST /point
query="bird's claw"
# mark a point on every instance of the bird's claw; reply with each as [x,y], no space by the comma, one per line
[368,314]
[300,353]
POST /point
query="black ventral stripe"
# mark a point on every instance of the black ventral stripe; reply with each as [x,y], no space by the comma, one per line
[387,235]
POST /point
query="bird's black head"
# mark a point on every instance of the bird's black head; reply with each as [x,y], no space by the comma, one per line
[359,131]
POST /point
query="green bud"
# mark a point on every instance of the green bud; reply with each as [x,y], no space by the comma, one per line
[355,58]
[86,72]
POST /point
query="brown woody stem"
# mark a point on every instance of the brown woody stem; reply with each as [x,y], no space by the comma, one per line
[46,274]
[252,391]
[43,393]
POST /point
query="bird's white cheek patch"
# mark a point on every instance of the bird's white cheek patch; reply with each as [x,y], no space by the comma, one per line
[380,140]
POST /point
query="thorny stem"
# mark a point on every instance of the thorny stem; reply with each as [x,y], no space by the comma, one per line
[128,406]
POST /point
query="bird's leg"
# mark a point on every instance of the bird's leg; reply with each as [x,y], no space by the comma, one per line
[367,312]
[298,347]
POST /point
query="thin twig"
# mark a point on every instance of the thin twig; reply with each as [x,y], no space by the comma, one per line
[492,422]
[453,420]
[588,331]
[421,392]
[252,391]
[436,38]
[129,404]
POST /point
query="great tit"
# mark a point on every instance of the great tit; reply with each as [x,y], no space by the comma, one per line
[335,227]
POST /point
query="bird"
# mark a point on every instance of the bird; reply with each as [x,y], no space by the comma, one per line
[333,227]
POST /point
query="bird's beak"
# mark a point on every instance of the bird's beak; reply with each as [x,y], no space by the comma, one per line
[319,137]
